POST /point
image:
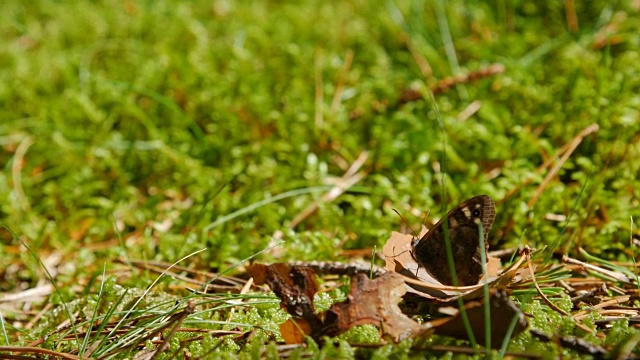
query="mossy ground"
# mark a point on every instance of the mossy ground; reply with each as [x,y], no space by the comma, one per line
[130,129]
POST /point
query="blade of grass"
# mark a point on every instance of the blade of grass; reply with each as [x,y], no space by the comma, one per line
[206,284]
[553,274]
[509,334]
[85,341]
[107,316]
[16,172]
[633,254]
[574,209]
[628,347]
[140,325]
[372,265]
[241,262]
[351,177]
[147,290]
[123,248]
[485,290]
[201,212]
[4,330]
[221,220]
[52,280]
[449,47]
[535,283]
[176,320]
[546,299]
[548,291]
[520,241]
[445,224]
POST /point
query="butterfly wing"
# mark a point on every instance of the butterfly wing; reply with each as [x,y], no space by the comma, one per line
[430,251]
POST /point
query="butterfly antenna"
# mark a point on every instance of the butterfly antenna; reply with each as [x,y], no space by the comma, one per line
[424,223]
[406,223]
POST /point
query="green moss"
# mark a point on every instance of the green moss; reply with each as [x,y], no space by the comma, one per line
[129,129]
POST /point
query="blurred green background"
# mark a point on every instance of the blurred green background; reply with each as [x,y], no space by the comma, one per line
[136,127]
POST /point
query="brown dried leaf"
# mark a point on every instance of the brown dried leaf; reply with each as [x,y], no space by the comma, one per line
[374,302]
[503,311]
[294,331]
[294,285]
[397,256]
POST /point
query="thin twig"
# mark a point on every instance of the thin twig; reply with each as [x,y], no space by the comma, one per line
[449,82]
[554,171]
[350,178]
[546,299]
[577,344]
[535,283]
[421,61]
[35,350]
[16,172]
[177,320]
[615,301]
[544,165]
[348,60]
[612,274]
[570,14]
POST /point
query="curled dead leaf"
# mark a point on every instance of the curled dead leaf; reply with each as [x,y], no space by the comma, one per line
[373,302]
[502,312]
[294,285]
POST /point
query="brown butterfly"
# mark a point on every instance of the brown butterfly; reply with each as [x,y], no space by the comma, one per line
[430,250]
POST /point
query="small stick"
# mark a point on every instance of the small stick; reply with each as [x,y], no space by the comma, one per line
[546,163]
[546,299]
[348,60]
[449,82]
[554,171]
[35,350]
[421,61]
[612,274]
[570,14]
[177,321]
[350,178]
[580,345]
[615,301]
[535,283]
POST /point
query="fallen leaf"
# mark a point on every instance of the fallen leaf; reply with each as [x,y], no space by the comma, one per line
[374,302]
[294,285]
[503,312]
[294,330]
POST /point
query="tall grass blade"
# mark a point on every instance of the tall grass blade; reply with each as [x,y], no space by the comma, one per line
[445,224]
